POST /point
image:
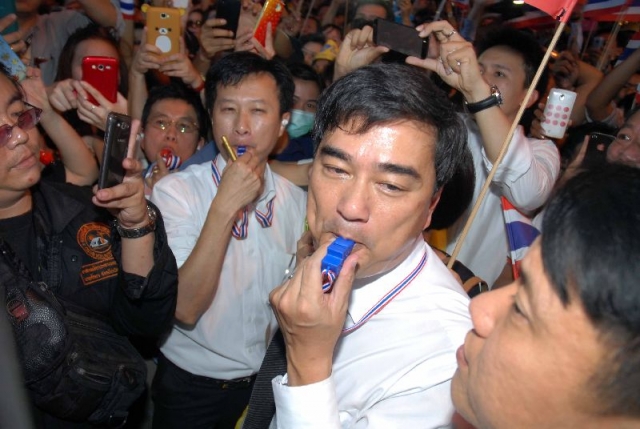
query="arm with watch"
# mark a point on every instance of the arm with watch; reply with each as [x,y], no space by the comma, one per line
[148,274]
[457,64]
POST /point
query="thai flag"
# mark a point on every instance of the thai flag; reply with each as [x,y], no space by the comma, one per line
[534,19]
[521,234]
[596,8]
[560,10]
[630,13]
[633,44]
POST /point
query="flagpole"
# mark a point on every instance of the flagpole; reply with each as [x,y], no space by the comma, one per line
[306,18]
[436,17]
[612,37]
[505,145]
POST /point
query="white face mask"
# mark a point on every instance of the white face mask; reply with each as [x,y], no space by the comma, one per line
[300,123]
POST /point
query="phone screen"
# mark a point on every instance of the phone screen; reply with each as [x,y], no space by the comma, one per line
[399,38]
[116,145]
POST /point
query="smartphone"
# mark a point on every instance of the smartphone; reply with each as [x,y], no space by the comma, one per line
[596,154]
[164,28]
[230,11]
[399,38]
[102,74]
[11,61]
[271,13]
[7,7]
[116,145]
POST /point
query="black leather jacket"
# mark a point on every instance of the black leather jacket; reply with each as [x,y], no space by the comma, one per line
[80,260]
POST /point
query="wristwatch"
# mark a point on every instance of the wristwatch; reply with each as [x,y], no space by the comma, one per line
[495,99]
[142,231]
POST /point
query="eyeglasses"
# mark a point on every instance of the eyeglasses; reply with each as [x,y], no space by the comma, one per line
[191,23]
[28,119]
[183,127]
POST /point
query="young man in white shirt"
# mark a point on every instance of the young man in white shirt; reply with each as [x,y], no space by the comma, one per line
[233,226]
[378,350]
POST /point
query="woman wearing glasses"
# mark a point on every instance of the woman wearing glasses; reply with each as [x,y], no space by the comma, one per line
[62,234]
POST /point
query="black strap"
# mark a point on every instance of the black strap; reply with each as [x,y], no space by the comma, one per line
[262,406]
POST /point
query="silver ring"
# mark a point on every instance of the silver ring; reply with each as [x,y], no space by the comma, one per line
[93,107]
[450,34]
[458,63]
[290,276]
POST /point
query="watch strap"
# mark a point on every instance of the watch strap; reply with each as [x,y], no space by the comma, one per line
[142,231]
[495,99]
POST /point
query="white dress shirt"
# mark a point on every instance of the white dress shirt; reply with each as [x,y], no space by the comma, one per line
[230,339]
[526,177]
[394,371]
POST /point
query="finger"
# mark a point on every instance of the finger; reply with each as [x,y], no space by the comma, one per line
[161,164]
[341,290]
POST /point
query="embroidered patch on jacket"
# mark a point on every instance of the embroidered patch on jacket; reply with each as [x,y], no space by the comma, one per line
[94,239]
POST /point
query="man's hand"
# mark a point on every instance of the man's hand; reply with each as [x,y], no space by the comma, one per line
[179,65]
[214,39]
[312,321]
[456,62]
[565,71]
[147,57]
[15,39]
[357,50]
[241,183]
[158,171]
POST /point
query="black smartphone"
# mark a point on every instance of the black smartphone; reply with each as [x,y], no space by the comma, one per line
[230,11]
[116,145]
[399,38]
[596,153]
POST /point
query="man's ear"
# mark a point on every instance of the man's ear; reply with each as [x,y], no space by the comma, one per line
[534,97]
[432,206]
[201,143]
[284,122]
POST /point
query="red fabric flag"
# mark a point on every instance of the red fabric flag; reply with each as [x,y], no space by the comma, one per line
[560,10]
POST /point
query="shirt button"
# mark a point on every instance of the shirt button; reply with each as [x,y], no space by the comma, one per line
[74,258]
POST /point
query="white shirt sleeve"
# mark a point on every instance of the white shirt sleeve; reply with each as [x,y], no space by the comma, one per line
[305,407]
[528,171]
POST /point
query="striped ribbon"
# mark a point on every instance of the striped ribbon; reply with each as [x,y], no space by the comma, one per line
[389,296]
[240,227]
[328,278]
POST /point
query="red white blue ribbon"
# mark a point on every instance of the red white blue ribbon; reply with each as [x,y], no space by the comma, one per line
[389,296]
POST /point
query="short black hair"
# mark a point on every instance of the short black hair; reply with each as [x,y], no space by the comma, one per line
[522,43]
[178,91]
[387,93]
[235,67]
[302,71]
[386,4]
[590,252]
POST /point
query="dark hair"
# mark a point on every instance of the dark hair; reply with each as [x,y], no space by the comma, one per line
[90,32]
[388,93]
[590,252]
[177,91]
[333,27]
[384,3]
[302,71]
[315,38]
[235,67]
[525,45]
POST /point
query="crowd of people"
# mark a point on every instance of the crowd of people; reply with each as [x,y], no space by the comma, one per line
[251,158]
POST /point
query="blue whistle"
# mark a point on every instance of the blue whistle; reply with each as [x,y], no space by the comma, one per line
[336,254]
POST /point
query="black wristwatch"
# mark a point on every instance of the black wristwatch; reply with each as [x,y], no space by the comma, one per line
[495,99]
[139,232]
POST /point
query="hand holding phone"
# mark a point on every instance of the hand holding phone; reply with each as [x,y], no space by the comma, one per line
[229,10]
[400,38]
[102,73]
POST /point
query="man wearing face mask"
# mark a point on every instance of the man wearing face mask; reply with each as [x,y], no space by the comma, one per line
[308,87]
